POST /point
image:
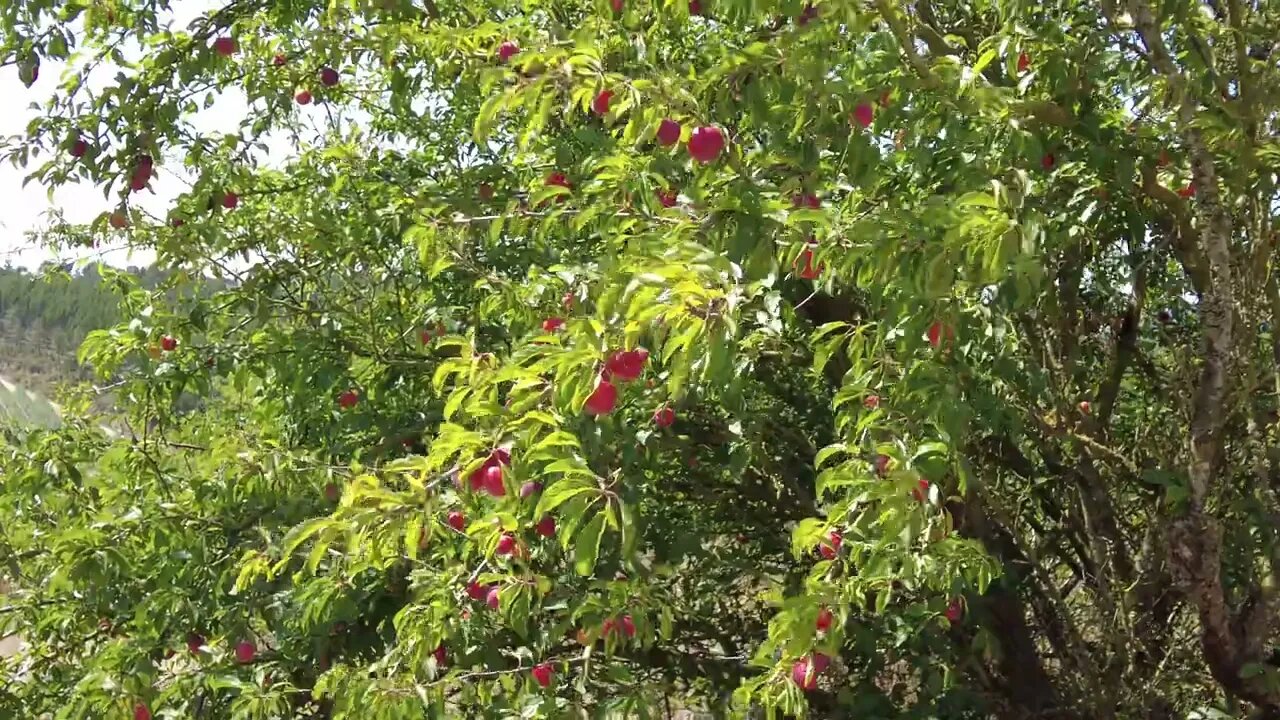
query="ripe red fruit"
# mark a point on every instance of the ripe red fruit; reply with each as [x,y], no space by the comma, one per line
[863,115]
[558,178]
[668,132]
[628,626]
[1188,191]
[491,480]
[118,220]
[225,46]
[804,200]
[954,611]
[546,527]
[457,521]
[616,5]
[938,332]
[602,400]
[328,76]
[476,591]
[141,712]
[921,491]
[552,324]
[245,652]
[806,670]
[1048,161]
[600,105]
[664,417]
[809,13]
[831,546]
[506,544]
[706,143]
[79,148]
[177,222]
[492,598]
[871,402]
[667,198]
[348,399]
[279,60]
[439,654]
[626,365]
[1085,407]
[542,673]
[824,619]
[808,271]
[530,489]
[303,97]
[881,465]
[1024,62]
[332,492]
[507,50]
[230,200]
[695,7]
[168,344]
[195,641]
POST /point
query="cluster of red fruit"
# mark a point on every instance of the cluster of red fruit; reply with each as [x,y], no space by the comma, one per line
[622,366]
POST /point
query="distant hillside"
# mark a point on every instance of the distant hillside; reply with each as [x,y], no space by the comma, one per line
[24,408]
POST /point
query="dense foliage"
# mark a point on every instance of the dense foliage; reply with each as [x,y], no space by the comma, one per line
[849,359]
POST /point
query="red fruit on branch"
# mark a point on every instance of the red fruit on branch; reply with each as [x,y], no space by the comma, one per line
[921,491]
[168,343]
[558,178]
[871,402]
[230,200]
[1187,191]
[824,620]
[954,611]
[1048,161]
[79,148]
[226,46]
[863,114]
[279,60]
[831,546]
[625,365]
[805,268]
[118,220]
[602,400]
[552,324]
[245,652]
[303,97]
[542,673]
[667,198]
[195,641]
[805,671]
[1024,62]
[695,7]
[664,417]
[938,333]
[328,76]
[668,132]
[440,655]
[600,105]
[348,399]
[1085,407]
[804,200]
[530,489]
[141,712]
[507,50]
[506,544]
[457,521]
[332,492]
[706,143]
[881,465]
[616,5]
[546,527]
[628,626]
[491,480]
[476,591]
[492,598]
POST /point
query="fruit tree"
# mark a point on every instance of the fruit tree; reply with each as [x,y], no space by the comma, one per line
[578,358]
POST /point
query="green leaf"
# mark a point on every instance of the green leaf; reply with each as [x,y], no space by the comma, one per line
[587,545]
